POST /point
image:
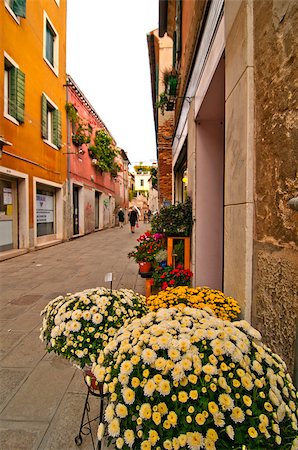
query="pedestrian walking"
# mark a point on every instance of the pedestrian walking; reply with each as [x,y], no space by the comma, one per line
[133,219]
[121,217]
[149,215]
[145,216]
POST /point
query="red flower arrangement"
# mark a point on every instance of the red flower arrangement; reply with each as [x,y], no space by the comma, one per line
[169,276]
[149,245]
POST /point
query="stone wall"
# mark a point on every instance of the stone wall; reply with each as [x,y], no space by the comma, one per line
[275,237]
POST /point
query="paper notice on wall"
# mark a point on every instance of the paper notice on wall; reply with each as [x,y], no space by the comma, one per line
[7,196]
[44,208]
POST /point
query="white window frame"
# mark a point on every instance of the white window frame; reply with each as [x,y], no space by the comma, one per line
[5,106]
[55,67]
[7,6]
[50,134]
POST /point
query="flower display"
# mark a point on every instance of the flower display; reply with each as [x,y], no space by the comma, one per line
[184,379]
[224,307]
[174,220]
[169,276]
[149,245]
[79,325]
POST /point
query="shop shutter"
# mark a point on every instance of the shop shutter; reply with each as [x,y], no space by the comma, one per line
[20,97]
[57,128]
[19,8]
[44,118]
[12,97]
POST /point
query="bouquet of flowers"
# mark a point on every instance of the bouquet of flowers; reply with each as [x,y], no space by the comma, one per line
[188,380]
[169,276]
[148,247]
[224,307]
[79,325]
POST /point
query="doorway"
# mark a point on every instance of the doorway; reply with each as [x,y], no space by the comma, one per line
[96,209]
[210,145]
[8,215]
[76,219]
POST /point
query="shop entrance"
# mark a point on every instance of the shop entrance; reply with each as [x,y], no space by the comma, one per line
[8,215]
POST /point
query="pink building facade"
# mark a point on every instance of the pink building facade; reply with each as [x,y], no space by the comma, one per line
[94,196]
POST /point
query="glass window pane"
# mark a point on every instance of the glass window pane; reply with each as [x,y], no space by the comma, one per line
[50,36]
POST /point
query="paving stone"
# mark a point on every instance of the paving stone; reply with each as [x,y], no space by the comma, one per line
[22,355]
[8,339]
[27,322]
[21,435]
[12,311]
[10,380]
[26,300]
[39,397]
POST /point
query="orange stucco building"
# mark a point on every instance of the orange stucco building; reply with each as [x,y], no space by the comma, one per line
[33,165]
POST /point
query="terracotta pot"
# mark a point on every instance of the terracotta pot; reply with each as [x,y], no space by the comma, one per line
[91,380]
[145,266]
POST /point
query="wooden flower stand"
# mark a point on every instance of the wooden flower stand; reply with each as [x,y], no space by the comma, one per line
[170,247]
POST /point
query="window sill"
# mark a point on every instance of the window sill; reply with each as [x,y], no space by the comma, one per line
[16,18]
[50,144]
[11,118]
[53,68]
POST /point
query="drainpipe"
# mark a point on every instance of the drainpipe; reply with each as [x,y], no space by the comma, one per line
[68,169]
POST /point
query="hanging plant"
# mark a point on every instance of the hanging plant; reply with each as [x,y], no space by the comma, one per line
[104,152]
[81,133]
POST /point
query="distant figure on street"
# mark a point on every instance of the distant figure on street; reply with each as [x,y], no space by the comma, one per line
[121,217]
[145,216]
[133,219]
[149,215]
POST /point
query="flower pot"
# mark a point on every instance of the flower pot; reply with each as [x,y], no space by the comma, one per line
[144,267]
[90,380]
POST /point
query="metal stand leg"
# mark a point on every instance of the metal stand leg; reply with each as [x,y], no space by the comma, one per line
[85,426]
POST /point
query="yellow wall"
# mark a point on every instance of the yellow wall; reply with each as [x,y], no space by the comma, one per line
[24,43]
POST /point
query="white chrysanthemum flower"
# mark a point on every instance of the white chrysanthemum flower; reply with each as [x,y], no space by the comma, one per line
[114,427]
[210,369]
[149,388]
[148,356]
[121,410]
[109,412]
[86,315]
[128,395]
[129,437]
[100,431]
[230,431]
[97,318]
[126,367]
[178,372]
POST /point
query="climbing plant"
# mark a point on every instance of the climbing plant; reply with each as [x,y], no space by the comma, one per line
[104,152]
[81,132]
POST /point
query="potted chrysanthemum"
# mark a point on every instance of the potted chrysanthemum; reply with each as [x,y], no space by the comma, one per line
[224,307]
[79,325]
[184,379]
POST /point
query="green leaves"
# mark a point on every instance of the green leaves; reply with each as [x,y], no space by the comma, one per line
[104,152]
[174,220]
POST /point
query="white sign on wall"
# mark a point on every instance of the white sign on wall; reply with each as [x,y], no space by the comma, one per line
[44,208]
[7,196]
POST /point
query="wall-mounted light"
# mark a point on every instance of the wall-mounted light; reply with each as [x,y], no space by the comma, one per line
[79,152]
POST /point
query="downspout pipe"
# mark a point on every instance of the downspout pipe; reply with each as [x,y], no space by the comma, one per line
[68,234]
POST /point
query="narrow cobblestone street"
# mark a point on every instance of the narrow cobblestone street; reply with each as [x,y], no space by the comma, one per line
[42,396]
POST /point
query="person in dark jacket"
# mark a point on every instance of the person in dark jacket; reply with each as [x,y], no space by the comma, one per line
[133,218]
[121,217]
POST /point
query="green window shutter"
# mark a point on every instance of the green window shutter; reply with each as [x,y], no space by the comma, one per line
[57,128]
[44,117]
[20,98]
[12,97]
[19,8]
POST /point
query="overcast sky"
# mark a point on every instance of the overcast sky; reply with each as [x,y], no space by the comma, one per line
[107,56]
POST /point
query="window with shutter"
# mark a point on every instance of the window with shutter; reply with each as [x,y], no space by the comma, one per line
[14,92]
[20,96]
[50,122]
[19,7]
[50,44]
